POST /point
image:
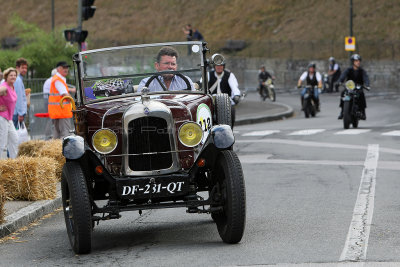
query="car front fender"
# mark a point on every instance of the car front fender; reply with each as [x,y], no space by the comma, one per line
[73,147]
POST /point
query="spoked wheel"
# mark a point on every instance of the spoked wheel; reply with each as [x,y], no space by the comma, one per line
[106,93]
[347,118]
[229,176]
[272,95]
[77,208]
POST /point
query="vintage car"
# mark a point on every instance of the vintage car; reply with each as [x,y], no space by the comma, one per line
[148,148]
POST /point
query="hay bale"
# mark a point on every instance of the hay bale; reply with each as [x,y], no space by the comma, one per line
[53,149]
[39,148]
[29,178]
[30,148]
[2,201]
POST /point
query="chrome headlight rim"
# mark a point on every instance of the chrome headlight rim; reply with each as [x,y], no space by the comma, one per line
[196,125]
[113,133]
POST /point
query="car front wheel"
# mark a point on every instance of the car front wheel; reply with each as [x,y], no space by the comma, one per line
[77,207]
[229,176]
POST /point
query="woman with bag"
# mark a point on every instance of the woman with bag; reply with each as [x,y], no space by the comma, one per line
[8,98]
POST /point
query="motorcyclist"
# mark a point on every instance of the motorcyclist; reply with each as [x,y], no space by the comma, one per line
[359,76]
[262,77]
[221,80]
[312,78]
[334,74]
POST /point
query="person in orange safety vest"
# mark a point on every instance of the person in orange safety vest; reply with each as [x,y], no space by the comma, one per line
[61,116]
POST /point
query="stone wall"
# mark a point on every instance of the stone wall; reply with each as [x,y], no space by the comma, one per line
[384,75]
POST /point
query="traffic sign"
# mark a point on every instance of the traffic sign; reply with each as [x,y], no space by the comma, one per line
[350,43]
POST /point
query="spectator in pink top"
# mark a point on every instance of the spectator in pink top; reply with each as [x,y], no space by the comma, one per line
[8,98]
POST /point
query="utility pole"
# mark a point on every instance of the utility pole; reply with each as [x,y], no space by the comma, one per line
[79,21]
[52,16]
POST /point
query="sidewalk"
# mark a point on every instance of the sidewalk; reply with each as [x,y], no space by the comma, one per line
[250,110]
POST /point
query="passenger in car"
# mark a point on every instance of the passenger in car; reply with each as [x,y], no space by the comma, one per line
[166,61]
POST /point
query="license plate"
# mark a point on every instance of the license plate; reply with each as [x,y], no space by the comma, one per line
[152,188]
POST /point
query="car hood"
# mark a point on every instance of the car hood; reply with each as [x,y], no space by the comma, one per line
[183,107]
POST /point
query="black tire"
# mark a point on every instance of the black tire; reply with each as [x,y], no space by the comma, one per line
[306,108]
[77,207]
[355,123]
[347,118]
[272,95]
[223,108]
[313,110]
[232,219]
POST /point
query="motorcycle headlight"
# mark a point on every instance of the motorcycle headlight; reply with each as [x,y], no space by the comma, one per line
[104,141]
[190,134]
[350,85]
[268,82]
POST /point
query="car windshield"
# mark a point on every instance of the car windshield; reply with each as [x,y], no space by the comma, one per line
[172,67]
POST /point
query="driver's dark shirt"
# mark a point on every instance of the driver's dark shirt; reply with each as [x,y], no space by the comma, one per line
[177,84]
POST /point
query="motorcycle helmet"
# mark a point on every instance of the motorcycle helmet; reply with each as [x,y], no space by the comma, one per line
[331,59]
[355,57]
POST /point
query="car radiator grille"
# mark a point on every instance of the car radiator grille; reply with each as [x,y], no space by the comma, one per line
[149,135]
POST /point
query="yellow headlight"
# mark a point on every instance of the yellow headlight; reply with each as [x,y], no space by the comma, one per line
[104,141]
[350,85]
[268,81]
[190,134]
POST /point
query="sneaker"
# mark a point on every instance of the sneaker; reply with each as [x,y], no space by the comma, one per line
[363,116]
[340,116]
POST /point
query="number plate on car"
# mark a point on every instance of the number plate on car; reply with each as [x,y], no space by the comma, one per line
[151,188]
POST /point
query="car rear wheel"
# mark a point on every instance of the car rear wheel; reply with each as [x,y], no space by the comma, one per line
[77,207]
[223,109]
[229,176]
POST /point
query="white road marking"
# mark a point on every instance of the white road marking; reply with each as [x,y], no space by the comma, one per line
[355,248]
[261,133]
[266,159]
[307,132]
[392,133]
[354,131]
[316,144]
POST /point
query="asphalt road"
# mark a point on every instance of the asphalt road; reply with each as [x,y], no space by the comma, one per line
[305,204]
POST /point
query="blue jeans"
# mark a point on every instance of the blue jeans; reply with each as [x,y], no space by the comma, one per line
[316,92]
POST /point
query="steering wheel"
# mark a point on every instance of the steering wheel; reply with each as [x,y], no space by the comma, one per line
[163,86]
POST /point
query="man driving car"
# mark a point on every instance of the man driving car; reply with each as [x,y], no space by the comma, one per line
[166,61]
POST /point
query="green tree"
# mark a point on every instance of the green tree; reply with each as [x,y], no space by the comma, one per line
[42,49]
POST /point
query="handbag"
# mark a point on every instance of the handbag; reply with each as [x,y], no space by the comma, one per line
[22,132]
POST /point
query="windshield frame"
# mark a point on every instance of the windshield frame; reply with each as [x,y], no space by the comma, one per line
[78,60]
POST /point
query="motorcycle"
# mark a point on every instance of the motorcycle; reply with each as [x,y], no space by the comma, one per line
[351,111]
[267,90]
[309,105]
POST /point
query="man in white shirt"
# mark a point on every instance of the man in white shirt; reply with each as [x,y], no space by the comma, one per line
[312,78]
[224,81]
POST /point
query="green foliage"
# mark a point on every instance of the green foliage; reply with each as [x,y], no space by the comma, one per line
[8,58]
[42,50]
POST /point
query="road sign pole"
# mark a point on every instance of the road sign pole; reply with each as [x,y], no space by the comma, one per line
[351,22]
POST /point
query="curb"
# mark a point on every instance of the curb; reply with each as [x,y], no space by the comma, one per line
[29,214]
[278,116]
